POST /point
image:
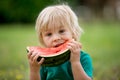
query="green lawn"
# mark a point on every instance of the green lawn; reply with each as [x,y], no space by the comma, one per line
[100,40]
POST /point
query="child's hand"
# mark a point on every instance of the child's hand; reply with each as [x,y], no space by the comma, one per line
[75,48]
[34,64]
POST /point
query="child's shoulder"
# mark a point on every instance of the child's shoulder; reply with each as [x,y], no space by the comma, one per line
[83,53]
[84,56]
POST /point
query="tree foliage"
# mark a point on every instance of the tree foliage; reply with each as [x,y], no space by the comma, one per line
[25,11]
[21,10]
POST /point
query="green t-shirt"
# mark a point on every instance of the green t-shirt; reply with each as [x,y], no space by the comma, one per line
[64,72]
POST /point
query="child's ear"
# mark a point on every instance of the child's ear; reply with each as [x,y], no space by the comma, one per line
[73,36]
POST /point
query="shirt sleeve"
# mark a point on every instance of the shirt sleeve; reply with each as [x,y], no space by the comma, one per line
[86,62]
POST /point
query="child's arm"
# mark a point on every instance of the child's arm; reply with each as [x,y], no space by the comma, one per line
[78,72]
[77,69]
[34,75]
[34,65]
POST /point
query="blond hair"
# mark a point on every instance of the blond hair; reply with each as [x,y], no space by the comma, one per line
[56,16]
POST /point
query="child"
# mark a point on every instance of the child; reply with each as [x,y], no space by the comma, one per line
[55,25]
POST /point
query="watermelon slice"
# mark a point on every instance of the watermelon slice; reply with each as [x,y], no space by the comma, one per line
[53,56]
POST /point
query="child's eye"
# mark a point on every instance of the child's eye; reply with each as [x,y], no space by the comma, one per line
[48,34]
[62,31]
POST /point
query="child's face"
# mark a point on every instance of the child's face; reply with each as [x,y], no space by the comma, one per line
[57,36]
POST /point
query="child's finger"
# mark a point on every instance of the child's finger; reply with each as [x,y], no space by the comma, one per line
[75,44]
[29,54]
[33,56]
[41,61]
[71,45]
[36,57]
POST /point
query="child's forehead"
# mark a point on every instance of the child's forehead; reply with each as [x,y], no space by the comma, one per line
[55,24]
[52,28]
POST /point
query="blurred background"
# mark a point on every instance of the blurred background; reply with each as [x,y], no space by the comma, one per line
[100,20]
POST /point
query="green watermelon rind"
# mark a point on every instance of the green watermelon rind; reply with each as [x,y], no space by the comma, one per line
[57,60]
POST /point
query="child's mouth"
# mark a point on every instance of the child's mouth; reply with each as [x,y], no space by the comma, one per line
[58,45]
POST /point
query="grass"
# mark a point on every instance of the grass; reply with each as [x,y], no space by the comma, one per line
[13,40]
[100,40]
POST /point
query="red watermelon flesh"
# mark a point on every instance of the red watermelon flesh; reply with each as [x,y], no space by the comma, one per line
[48,52]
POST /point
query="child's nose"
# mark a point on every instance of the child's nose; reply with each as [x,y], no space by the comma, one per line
[56,37]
